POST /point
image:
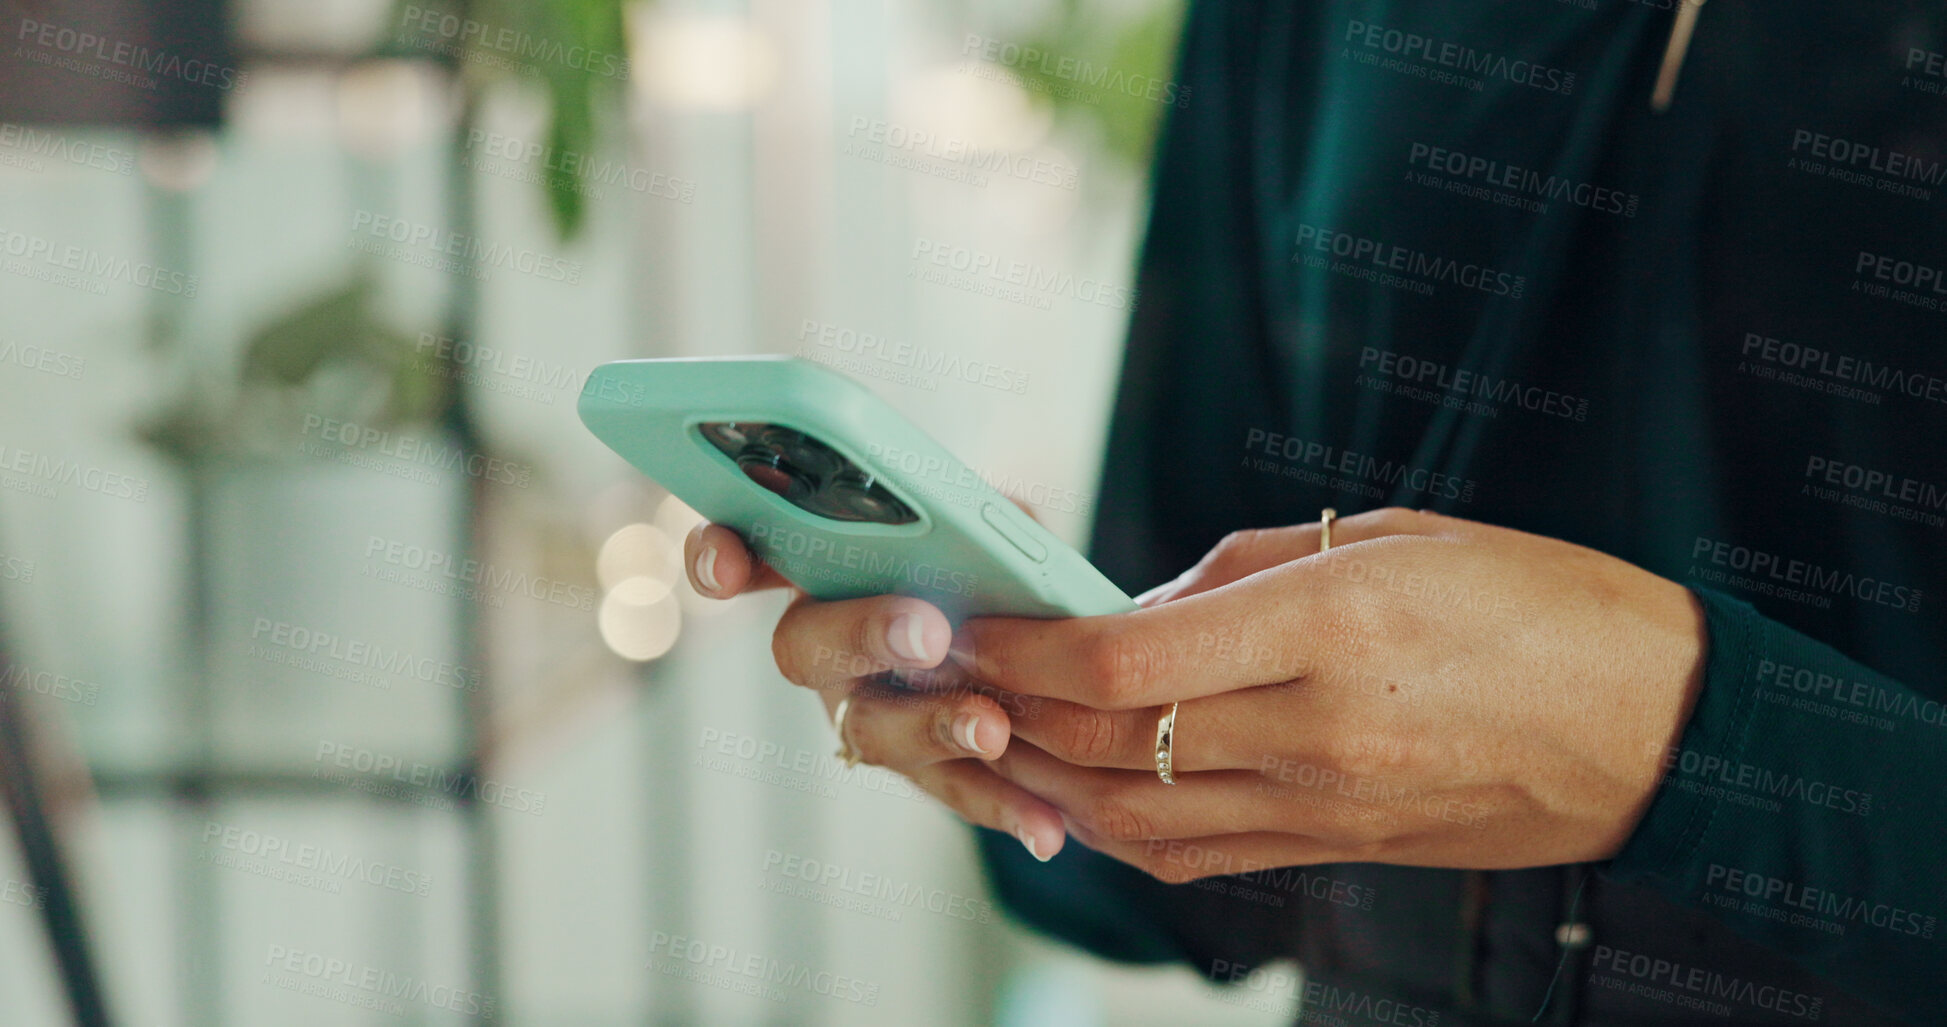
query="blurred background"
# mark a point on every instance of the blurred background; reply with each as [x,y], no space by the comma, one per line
[344,677]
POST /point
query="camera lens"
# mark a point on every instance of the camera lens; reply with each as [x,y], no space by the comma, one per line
[807,473]
[812,458]
[854,496]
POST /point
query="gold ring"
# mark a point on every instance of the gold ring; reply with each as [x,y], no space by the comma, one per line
[1166,746]
[845,752]
[1325,519]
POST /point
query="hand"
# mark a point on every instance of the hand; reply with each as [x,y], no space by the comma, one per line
[1431,692]
[944,739]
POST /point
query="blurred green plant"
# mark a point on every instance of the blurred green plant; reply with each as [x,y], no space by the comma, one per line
[1139,49]
[332,357]
[556,43]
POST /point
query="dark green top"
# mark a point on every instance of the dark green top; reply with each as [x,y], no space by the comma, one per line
[1449,249]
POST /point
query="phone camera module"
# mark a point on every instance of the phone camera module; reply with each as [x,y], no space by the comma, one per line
[807,473]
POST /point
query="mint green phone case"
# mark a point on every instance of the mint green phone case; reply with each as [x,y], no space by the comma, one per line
[971,551]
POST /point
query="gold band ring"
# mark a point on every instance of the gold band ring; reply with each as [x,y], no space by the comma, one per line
[1166,746]
[1325,519]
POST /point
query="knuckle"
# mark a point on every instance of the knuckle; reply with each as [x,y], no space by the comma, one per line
[1122,664]
[1088,736]
[784,650]
[1367,754]
[1115,818]
[866,635]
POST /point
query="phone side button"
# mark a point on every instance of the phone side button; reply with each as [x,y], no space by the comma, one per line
[997,519]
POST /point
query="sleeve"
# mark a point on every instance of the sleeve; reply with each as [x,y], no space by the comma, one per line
[1805,806]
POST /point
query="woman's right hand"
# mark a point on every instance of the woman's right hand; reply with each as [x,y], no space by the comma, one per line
[941,738]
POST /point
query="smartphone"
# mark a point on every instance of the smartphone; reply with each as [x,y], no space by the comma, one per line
[834,489]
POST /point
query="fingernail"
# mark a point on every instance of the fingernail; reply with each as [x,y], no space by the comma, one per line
[965,728]
[1028,840]
[706,568]
[907,637]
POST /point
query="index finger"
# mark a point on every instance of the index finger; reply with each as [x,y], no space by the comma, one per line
[1254,631]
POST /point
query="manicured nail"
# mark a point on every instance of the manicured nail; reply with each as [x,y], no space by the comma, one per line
[907,637]
[706,568]
[1028,840]
[965,728]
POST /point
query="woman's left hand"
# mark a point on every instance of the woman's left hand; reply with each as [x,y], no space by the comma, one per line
[1431,691]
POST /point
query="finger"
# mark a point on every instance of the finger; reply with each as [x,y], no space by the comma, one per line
[1134,805]
[1162,653]
[980,796]
[908,731]
[721,566]
[1229,731]
[823,644]
[1241,554]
